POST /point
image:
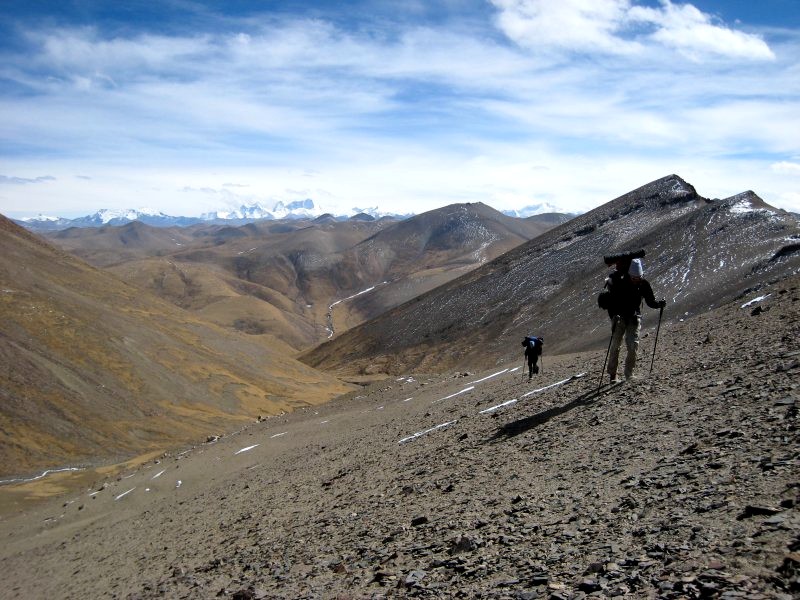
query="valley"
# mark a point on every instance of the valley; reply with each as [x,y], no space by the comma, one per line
[328,410]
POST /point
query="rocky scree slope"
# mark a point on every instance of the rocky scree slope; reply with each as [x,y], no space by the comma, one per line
[700,253]
[680,485]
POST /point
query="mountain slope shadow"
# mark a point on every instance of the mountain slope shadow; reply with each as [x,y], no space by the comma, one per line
[520,426]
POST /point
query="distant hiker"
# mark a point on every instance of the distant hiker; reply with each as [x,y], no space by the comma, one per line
[623,299]
[533,350]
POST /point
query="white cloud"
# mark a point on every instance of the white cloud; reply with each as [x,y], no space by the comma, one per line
[695,35]
[789,201]
[5,180]
[622,27]
[583,25]
[410,117]
[786,168]
[84,50]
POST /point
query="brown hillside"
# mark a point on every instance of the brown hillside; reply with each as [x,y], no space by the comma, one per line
[108,245]
[95,369]
[299,281]
[428,250]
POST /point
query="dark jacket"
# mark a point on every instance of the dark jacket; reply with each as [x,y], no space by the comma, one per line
[626,296]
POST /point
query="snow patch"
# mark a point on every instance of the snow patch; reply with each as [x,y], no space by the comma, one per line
[245,449]
[123,494]
[40,476]
[515,400]
[330,308]
[427,431]
[497,407]
[744,206]
[755,301]
[470,388]
[552,385]
[490,376]
[357,294]
[40,217]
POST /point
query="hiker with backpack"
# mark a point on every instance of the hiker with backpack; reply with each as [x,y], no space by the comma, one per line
[533,350]
[625,288]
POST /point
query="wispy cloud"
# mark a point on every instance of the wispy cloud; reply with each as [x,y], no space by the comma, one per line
[5,180]
[622,27]
[697,35]
[785,167]
[503,106]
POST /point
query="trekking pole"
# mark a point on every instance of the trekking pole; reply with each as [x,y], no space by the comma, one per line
[524,360]
[653,360]
[613,327]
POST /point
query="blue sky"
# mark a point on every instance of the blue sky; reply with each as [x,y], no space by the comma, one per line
[188,106]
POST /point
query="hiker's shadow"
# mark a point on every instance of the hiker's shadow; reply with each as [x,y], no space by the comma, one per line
[519,426]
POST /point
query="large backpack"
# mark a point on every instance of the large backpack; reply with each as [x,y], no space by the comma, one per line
[534,343]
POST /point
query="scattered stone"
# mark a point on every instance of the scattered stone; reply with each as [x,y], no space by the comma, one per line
[414,578]
[249,593]
[464,543]
[589,586]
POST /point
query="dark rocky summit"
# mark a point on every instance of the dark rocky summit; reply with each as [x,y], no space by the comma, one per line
[701,253]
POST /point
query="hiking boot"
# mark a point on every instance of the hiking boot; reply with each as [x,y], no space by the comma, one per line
[614,378]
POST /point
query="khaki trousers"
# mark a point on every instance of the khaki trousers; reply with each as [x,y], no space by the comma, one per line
[629,331]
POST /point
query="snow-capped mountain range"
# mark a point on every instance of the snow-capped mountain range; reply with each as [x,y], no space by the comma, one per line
[298,209]
[533,209]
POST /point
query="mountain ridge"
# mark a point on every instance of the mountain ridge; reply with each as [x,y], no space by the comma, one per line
[241,215]
[548,285]
[310,274]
